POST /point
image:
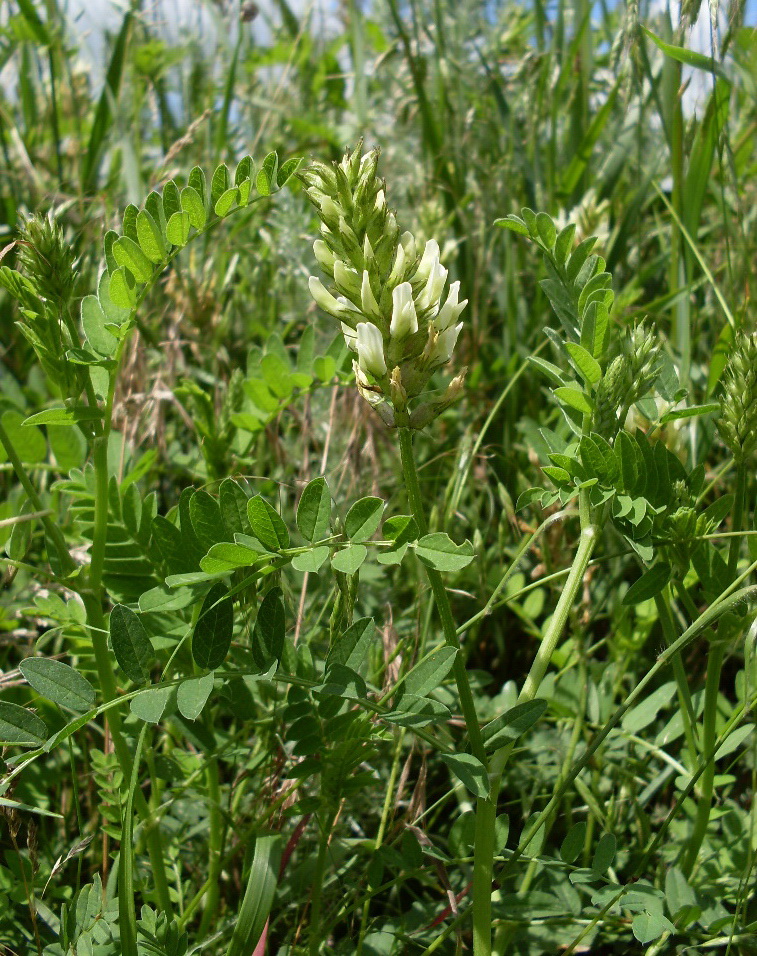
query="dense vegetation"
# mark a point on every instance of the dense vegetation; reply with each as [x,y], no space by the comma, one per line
[446,661]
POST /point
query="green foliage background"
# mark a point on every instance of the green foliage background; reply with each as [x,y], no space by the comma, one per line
[479,110]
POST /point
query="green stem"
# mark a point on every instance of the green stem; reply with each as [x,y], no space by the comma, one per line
[316,900]
[486,808]
[52,531]
[385,811]
[707,784]
[109,690]
[738,519]
[127,914]
[215,847]
[712,690]
[93,603]
[662,601]
[538,670]
[441,598]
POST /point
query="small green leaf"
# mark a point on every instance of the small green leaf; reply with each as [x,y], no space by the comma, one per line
[588,367]
[649,584]
[287,170]
[363,518]
[267,525]
[647,926]
[693,411]
[26,438]
[20,727]
[604,853]
[205,514]
[123,290]
[429,672]
[573,842]
[212,635]
[219,183]
[513,223]
[351,648]
[150,704]
[734,740]
[546,229]
[470,771]
[131,645]
[401,529]
[269,631]
[65,416]
[193,205]
[193,694]
[314,510]
[512,724]
[129,255]
[150,238]
[59,683]
[564,243]
[233,503]
[348,560]
[574,398]
[227,201]
[177,229]
[644,713]
[93,321]
[439,551]
[311,561]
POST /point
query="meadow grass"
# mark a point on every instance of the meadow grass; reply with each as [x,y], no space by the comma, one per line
[276,677]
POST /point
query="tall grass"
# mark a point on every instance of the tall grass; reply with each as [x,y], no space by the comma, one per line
[642,768]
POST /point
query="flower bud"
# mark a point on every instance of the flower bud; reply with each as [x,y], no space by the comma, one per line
[443,347]
[367,299]
[738,422]
[398,269]
[374,396]
[370,349]
[455,388]
[329,210]
[324,256]
[432,291]
[450,310]
[347,281]
[404,319]
[397,390]
[324,298]
[429,260]
[407,241]
[350,337]
[368,253]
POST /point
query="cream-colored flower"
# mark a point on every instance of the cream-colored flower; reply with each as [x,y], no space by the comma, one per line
[450,310]
[370,349]
[404,319]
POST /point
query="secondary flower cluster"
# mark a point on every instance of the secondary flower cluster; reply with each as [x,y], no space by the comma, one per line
[389,299]
[738,423]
